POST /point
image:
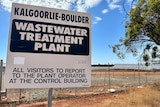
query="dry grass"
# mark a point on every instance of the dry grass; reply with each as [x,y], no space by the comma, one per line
[138,97]
[142,97]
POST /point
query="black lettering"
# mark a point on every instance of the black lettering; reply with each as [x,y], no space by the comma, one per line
[46,15]
[18,70]
[79,19]
[56,16]
[25,81]
[86,20]
[51,15]
[16,11]
[41,14]
[72,18]
[29,75]
[42,81]
[75,80]
[26,12]
[12,81]
[63,17]
[36,13]
[16,75]
[67,17]
[31,13]
[22,12]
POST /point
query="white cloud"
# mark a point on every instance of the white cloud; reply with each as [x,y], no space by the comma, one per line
[96,19]
[83,5]
[104,11]
[113,4]
[48,3]
[77,5]
[91,3]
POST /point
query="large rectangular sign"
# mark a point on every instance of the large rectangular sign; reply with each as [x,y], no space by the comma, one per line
[48,48]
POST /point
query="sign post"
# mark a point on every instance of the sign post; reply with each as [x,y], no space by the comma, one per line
[48,48]
[50,97]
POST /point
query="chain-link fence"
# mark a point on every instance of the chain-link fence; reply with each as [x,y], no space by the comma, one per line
[102,81]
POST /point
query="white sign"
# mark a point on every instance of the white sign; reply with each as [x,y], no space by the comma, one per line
[48,48]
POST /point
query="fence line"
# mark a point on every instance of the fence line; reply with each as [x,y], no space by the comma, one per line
[101,82]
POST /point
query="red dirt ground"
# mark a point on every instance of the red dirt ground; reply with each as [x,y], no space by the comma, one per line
[90,101]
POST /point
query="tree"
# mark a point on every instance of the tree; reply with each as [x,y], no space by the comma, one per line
[142,35]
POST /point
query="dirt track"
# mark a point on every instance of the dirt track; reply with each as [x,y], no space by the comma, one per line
[90,101]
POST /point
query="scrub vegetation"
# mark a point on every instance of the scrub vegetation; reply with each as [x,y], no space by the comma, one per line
[136,97]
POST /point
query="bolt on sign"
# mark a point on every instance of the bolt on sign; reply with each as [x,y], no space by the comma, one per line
[48,48]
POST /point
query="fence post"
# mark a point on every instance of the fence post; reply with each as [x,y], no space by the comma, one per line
[109,81]
[139,74]
[104,79]
[1,69]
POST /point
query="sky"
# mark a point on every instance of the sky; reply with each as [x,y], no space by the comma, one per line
[108,20]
